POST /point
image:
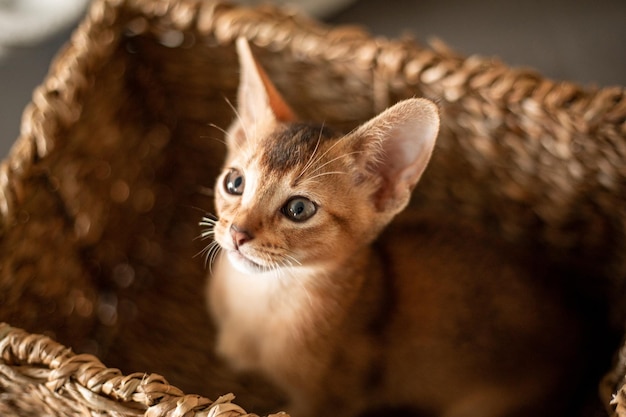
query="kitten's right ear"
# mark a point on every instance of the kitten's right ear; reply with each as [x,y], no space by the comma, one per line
[395,148]
[258,100]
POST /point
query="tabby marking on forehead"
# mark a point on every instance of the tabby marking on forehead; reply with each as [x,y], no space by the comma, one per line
[293,144]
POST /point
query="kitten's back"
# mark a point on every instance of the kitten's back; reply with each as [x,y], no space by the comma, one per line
[477,323]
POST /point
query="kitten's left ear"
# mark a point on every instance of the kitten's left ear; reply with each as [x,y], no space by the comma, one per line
[397,145]
[258,98]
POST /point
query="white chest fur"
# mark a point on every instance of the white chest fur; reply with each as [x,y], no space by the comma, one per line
[258,316]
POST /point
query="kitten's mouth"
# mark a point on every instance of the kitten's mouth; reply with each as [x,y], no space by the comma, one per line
[243,263]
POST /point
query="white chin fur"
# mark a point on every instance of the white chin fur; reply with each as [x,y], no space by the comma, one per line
[243,264]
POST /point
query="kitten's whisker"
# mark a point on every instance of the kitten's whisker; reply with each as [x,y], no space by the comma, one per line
[335,159]
[210,252]
[215,138]
[209,221]
[215,252]
[277,269]
[310,161]
[221,129]
[228,137]
[279,273]
[205,235]
[326,173]
[241,121]
[206,250]
[209,217]
[292,260]
[288,261]
[319,158]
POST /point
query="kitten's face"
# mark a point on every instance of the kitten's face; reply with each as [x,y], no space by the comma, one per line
[292,195]
[293,198]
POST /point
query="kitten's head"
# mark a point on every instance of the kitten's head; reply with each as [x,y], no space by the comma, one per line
[299,195]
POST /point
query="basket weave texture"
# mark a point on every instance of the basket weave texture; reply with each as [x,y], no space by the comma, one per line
[101,194]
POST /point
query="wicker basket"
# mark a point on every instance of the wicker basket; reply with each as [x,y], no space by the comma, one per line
[101,195]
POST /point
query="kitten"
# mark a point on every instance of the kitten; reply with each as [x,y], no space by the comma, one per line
[347,318]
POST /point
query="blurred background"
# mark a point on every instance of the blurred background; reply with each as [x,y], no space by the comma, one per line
[582,41]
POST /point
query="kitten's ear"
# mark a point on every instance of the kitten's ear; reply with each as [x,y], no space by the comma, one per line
[397,145]
[258,99]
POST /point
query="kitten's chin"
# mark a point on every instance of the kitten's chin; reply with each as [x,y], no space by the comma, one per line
[241,263]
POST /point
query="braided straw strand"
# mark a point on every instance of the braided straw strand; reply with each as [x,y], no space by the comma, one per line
[69,384]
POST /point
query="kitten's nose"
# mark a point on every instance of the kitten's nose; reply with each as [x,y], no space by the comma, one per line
[239,236]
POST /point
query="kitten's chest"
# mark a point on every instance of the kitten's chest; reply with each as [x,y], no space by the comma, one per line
[257,317]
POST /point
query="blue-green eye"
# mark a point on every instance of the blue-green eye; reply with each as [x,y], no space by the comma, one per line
[299,209]
[234,182]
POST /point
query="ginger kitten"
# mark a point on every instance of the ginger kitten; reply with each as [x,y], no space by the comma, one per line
[346,314]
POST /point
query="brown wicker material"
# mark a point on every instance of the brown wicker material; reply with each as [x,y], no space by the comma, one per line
[101,195]
[42,377]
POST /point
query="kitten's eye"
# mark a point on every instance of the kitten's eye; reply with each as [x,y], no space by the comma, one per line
[234,182]
[299,209]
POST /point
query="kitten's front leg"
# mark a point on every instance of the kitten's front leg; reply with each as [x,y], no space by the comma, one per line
[234,341]
[236,349]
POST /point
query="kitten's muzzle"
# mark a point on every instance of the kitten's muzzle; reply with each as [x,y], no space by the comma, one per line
[239,236]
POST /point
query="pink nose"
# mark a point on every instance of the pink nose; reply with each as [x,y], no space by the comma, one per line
[239,236]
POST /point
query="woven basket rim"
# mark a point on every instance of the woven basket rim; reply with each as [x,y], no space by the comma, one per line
[51,367]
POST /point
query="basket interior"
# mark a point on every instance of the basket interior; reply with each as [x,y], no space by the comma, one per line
[104,190]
